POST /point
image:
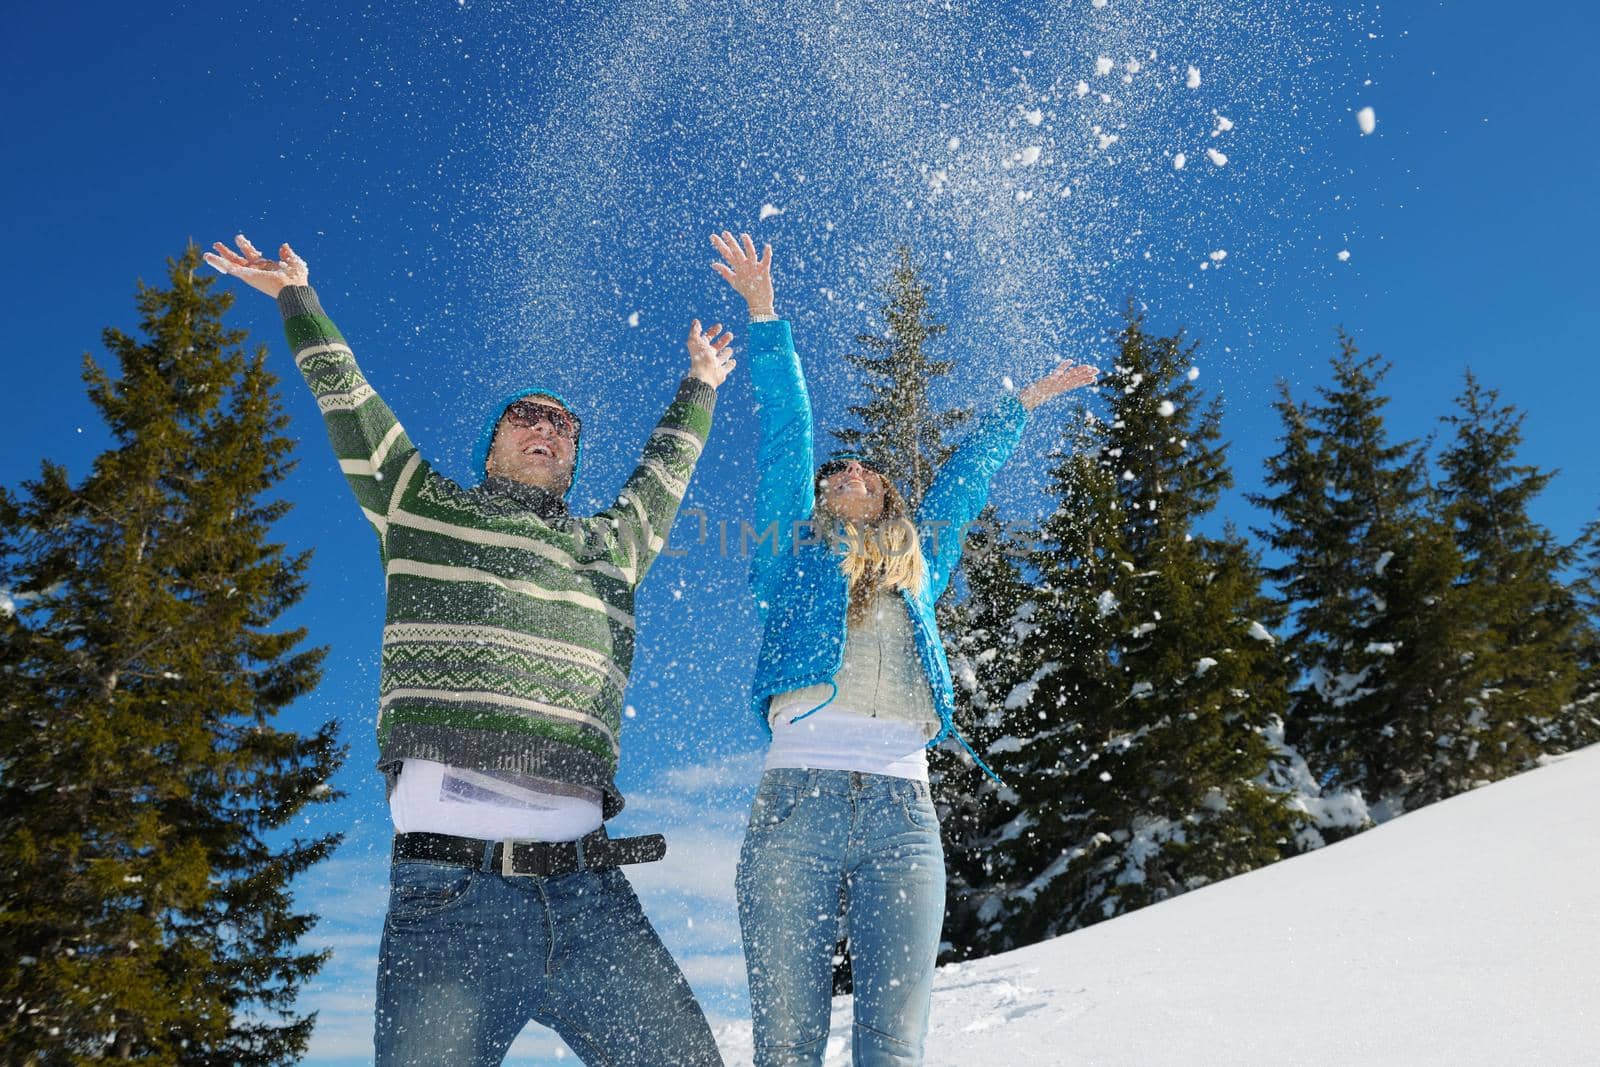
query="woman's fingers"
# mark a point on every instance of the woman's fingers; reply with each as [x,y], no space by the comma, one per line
[721,344]
[749,247]
[220,265]
[247,248]
[722,269]
[766,256]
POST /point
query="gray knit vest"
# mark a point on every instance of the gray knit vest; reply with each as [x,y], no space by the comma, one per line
[881,677]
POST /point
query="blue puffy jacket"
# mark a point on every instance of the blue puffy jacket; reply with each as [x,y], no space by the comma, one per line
[802,592]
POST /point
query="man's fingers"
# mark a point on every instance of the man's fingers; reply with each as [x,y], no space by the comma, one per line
[229,254]
[709,334]
[749,245]
[722,342]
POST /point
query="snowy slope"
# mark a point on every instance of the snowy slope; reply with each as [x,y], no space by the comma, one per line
[1464,933]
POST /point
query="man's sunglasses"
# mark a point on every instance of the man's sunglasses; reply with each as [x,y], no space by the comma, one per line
[526,413]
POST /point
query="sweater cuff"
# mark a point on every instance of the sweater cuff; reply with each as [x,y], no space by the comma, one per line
[696,392]
[296,300]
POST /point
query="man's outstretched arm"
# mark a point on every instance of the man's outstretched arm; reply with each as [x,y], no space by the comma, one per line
[638,522]
[368,440]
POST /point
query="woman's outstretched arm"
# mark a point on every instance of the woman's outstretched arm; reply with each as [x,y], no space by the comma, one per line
[784,497]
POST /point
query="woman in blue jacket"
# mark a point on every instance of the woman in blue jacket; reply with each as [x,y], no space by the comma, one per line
[852,684]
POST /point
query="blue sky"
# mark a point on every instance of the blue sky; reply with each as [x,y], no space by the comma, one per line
[492,195]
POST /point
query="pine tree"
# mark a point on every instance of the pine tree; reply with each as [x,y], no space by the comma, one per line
[1385,660]
[147,796]
[986,639]
[1148,767]
[899,433]
[1580,723]
[901,436]
[1511,567]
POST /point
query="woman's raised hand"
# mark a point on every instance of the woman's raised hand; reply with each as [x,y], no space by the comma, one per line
[1067,376]
[256,270]
[749,274]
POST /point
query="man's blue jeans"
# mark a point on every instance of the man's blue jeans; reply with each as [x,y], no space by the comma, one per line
[469,956]
[876,837]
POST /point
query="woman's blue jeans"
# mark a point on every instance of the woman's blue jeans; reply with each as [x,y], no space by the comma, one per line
[470,956]
[813,835]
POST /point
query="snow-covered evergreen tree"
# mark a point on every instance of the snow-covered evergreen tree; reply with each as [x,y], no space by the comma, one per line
[1512,569]
[985,633]
[1147,765]
[1580,721]
[900,434]
[1385,658]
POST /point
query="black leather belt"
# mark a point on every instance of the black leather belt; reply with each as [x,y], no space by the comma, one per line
[533,859]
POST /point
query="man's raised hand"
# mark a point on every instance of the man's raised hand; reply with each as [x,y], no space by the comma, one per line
[256,270]
[749,274]
[708,354]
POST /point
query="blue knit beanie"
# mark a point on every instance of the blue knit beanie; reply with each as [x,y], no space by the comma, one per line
[480,451]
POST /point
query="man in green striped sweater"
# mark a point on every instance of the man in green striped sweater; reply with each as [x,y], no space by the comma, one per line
[507,643]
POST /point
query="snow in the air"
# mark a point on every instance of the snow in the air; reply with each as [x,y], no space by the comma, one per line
[1344,256]
[1219,255]
[1216,157]
[1367,119]
[633,319]
[1165,409]
[767,211]
[1106,603]
[1193,373]
[1034,117]
[1104,65]
[1398,947]
[1029,155]
[1223,124]
[1193,78]
[1179,160]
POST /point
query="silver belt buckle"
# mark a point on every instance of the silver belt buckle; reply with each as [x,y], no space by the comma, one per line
[507,868]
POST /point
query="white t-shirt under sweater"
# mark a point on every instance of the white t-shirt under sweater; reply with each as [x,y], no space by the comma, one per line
[437,799]
[882,717]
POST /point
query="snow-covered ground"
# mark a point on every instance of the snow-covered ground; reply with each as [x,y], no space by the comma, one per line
[1464,933]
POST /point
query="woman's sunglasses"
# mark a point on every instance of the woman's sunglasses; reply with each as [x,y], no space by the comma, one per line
[837,466]
[526,413]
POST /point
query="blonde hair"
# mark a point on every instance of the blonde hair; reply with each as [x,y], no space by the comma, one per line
[876,556]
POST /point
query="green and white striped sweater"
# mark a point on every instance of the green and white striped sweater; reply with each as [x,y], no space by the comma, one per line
[509,625]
